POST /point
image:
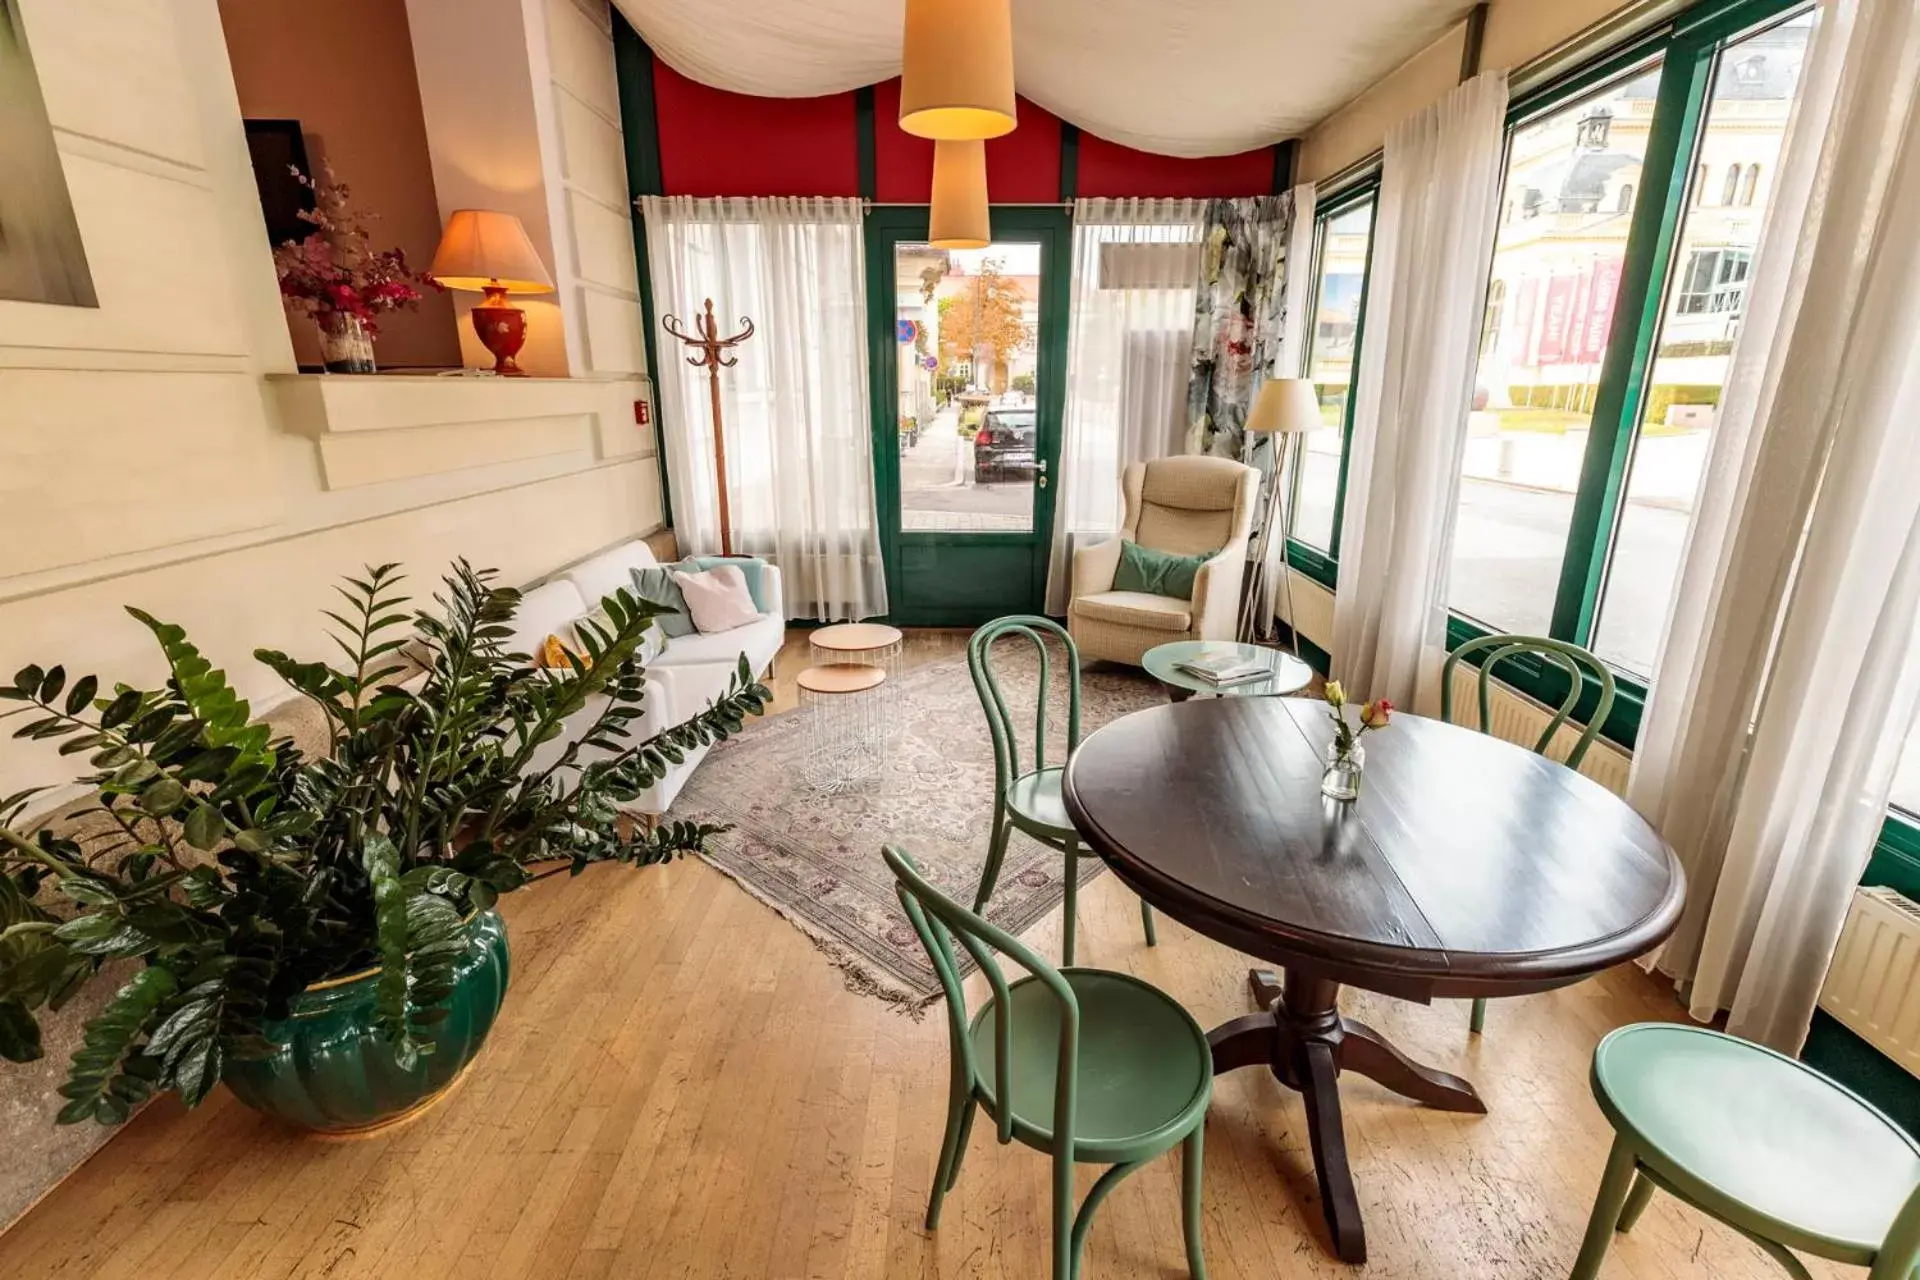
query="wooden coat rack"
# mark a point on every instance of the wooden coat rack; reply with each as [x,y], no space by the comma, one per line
[706,336]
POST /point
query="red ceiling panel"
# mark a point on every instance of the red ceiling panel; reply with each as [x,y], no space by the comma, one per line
[715,143]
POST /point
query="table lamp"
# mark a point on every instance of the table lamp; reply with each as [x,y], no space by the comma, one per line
[1284,407]
[488,252]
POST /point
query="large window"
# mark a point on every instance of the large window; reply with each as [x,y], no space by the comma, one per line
[1344,236]
[1633,196]
[1630,227]
[1752,98]
[1557,266]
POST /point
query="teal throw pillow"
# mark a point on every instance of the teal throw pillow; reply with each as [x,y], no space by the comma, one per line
[752,568]
[655,585]
[1158,573]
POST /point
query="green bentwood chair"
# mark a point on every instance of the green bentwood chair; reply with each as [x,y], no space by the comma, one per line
[1571,659]
[1029,799]
[1090,1066]
[1767,1145]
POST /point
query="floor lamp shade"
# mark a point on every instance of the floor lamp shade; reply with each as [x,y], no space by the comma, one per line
[958,218]
[956,79]
[1285,406]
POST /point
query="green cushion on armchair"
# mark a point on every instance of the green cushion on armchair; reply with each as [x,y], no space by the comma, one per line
[1158,573]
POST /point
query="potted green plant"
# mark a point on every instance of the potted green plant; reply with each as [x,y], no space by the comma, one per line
[319,931]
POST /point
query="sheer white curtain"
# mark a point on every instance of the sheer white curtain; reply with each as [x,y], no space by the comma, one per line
[1787,677]
[1290,361]
[1130,331]
[1432,249]
[799,434]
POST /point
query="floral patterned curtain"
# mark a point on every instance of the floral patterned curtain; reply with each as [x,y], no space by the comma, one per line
[1238,316]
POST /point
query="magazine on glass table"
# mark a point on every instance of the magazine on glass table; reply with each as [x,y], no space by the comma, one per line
[1225,668]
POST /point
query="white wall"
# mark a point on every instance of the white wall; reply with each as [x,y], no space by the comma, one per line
[160,450]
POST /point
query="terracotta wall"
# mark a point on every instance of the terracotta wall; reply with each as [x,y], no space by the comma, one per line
[715,143]
[344,69]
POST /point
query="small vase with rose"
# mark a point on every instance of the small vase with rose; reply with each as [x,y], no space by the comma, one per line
[1346,758]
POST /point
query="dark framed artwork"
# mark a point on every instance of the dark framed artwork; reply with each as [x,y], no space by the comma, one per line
[277,148]
[41,256]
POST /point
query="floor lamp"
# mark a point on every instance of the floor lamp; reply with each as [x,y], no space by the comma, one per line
[1285,408]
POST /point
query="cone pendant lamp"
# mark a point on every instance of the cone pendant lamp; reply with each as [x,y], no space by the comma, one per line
[956,79]
[958,218]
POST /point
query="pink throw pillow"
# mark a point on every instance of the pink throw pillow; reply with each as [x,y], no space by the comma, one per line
[718,599]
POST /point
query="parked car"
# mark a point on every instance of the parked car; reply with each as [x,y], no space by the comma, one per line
[1003,446]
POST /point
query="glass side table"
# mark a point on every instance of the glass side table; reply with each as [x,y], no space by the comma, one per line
[1285,673]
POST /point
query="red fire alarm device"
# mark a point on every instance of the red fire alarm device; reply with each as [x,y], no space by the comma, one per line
[642,413]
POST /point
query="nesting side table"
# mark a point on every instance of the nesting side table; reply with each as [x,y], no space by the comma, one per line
[866,644]
[846,733]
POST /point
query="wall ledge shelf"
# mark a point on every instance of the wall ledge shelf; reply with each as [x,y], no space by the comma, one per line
[374,428]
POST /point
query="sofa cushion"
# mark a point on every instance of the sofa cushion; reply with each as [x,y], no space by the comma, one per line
[656,584]
[718,598]
[759,640]
[753,568]
[599,576]
[1136,609]
[545,611]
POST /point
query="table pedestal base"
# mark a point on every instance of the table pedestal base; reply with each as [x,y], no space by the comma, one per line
[1303,1039]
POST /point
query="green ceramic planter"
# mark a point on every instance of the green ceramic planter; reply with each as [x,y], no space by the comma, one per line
[334,1073]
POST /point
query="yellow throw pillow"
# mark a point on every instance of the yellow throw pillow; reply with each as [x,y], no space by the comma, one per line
[553,655]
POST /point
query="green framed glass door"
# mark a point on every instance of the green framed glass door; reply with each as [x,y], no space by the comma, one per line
[967,356]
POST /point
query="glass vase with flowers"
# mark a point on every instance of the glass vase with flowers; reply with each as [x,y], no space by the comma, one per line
[337,279]
[1346,758]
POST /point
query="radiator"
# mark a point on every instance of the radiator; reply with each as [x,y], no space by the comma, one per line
[1518,718]
[1871,984]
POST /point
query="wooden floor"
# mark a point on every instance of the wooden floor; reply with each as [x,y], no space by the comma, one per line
[680,1086]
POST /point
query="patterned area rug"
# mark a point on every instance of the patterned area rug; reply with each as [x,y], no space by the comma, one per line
[815,858]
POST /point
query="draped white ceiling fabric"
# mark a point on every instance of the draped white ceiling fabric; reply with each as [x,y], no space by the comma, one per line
[1174,77]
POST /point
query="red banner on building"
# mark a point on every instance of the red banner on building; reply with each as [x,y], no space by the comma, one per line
[1601,296]
[1556,318]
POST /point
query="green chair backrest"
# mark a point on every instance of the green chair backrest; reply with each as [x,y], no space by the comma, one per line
[938,919]
[1570,658]
[1006,741]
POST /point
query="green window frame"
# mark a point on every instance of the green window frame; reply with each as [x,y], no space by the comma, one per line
[1323,566]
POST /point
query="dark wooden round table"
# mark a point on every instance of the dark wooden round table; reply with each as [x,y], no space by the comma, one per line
[1467,867]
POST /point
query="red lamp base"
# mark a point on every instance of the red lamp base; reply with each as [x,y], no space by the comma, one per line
[502,330]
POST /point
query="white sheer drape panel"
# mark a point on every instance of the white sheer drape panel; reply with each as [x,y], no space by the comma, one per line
[1290,362]
[1130,321]
[1787,678]
[799,433]
[1432,249]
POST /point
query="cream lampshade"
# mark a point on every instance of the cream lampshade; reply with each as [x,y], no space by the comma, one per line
[958,219]
[956,79]
[482,249]
[486,251]
[1285,406]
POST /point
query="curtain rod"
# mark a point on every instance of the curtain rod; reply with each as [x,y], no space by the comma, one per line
[991,204]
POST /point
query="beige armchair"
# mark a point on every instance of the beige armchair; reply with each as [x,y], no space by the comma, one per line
[1183,505]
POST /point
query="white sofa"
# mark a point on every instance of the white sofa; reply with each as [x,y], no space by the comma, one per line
[684,674]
